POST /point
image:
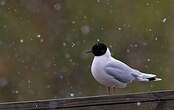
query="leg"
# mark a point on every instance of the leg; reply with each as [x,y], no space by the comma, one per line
[109,91]
[113,91]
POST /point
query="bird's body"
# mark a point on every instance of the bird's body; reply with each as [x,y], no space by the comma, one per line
[113,73]
[99,71]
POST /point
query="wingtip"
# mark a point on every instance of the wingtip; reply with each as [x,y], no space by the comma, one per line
[157,79]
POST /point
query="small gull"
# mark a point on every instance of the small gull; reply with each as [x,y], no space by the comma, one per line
[113,73]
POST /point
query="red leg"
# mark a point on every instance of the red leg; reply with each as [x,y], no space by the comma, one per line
[109,92]
[113,91]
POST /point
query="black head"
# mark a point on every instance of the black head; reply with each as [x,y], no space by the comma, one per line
[99,49]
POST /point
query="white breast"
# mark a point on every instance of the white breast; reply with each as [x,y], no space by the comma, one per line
[99,73]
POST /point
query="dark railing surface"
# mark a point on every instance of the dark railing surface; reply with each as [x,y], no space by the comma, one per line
[84,102]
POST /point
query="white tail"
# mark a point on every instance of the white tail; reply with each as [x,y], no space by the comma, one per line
[145,77]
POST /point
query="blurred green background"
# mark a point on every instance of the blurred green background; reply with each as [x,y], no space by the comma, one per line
[42,45]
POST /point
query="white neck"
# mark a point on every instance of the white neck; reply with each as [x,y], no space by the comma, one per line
[108,53]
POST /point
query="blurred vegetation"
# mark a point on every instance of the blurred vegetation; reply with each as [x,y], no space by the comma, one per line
[42,44]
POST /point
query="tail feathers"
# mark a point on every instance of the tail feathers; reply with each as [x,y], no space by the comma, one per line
[144,77]
[148,77]
[154,79]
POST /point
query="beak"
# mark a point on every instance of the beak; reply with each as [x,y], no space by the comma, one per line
[88,51]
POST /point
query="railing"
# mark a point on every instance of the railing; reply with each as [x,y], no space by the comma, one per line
[81,102]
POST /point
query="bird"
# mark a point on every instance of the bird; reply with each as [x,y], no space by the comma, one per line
[113,73]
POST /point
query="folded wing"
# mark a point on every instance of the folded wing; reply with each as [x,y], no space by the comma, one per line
[119,71]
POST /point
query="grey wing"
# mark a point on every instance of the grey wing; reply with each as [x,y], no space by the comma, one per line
[119,71]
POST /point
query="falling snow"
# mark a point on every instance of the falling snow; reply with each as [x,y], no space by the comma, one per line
[36,105]
[147,4]
[148,59]
[48,86]
[72,94]
[85,17]
[73,44]
[102,28]
[57,6]
[145,43]
[149,29]
[70,60]
[41,40]
[138,103]
[164,20]
[38,35]
[73,22]
[119,28]
[21,41]
[3,2]
[15,92]
[98,1]
[29,81]
[61,77]
[85,29]
[128,50]
[135,45]
[110,46]
[64,44]
[4,26]
[156,38]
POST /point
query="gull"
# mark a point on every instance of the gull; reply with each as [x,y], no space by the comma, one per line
[113,73]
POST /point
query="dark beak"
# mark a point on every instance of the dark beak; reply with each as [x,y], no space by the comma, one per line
[88,51]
